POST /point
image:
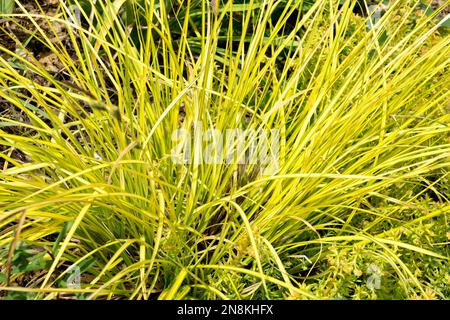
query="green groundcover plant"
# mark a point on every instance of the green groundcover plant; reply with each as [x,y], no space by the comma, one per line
[93,204]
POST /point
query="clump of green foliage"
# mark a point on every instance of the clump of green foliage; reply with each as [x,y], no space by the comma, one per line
[87,179]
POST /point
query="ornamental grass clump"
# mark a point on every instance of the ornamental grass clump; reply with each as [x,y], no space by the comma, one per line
[98,104]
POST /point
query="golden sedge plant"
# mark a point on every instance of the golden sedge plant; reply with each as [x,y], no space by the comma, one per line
[90,180]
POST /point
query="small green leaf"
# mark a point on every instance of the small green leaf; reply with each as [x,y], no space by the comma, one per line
[446,23]
[62,234]
[17,295]
[86,264]
[7,6]
[383,38]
